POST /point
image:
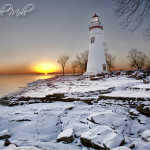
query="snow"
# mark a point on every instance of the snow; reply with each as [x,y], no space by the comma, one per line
[103,135]
[142,86]
[121,148]
[4,132]
[48,120]
[13,147]
[146,135]
[65,133]
[134,112]
[104,121]
[83,88]
[108,118]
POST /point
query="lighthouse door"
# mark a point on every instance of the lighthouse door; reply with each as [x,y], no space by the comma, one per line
[104,67]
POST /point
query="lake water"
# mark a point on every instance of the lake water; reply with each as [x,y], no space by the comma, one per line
[11,83]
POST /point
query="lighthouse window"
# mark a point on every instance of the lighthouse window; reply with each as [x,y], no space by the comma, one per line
[92,39]
[104,67]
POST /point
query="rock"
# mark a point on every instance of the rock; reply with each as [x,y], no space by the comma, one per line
[121,148]
[145,81]
[134,75]
[128,72]
[21,120]
[109,90]
[132,146]
[139,77]
[101,137]
[4,134]
[108,118]
[66,136]
[13,147]
[144,108]
[146,135]
[7,142]
[95,78]
[133,112]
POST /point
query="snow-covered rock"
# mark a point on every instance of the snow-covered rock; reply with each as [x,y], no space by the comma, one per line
[101,137]
[66,136]
[121,148]
[13,147]
[146,135]
[133,112]
[5,134]
[144,108]
[108,118]
[145,81]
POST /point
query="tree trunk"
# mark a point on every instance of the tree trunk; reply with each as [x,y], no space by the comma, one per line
[63,71]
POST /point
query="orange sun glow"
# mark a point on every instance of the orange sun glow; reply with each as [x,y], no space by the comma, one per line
[45,68]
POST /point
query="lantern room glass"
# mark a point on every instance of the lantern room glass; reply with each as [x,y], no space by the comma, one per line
[95,19]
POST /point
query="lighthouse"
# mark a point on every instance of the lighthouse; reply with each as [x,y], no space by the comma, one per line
[96,58]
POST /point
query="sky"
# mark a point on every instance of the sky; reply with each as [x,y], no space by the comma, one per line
[58,27]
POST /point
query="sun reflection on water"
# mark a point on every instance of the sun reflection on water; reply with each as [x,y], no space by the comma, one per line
[46,76]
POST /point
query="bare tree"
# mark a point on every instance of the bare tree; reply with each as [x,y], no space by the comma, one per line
[132,13]
[81,60]
[137,59]
[110,59]
[74,65]
[62,60]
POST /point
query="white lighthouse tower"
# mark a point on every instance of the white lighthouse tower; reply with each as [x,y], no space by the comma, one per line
[96,58]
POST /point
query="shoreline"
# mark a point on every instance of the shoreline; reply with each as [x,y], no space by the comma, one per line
[78,88]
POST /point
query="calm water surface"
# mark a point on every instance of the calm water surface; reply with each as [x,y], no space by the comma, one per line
[11,83]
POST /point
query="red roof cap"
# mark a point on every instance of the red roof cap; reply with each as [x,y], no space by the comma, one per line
[95,15]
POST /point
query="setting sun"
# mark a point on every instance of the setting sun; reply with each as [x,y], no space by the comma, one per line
[45,68]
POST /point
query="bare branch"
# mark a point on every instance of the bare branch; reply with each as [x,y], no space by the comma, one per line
[132,13]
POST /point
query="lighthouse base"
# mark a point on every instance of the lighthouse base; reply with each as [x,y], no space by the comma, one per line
[93,73]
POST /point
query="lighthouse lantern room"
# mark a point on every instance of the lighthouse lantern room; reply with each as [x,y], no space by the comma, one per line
[96,59]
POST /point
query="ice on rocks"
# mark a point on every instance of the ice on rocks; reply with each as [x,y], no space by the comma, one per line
[101,137]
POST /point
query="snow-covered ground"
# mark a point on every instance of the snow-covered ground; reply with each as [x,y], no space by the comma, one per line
[106,124]
[81,87]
